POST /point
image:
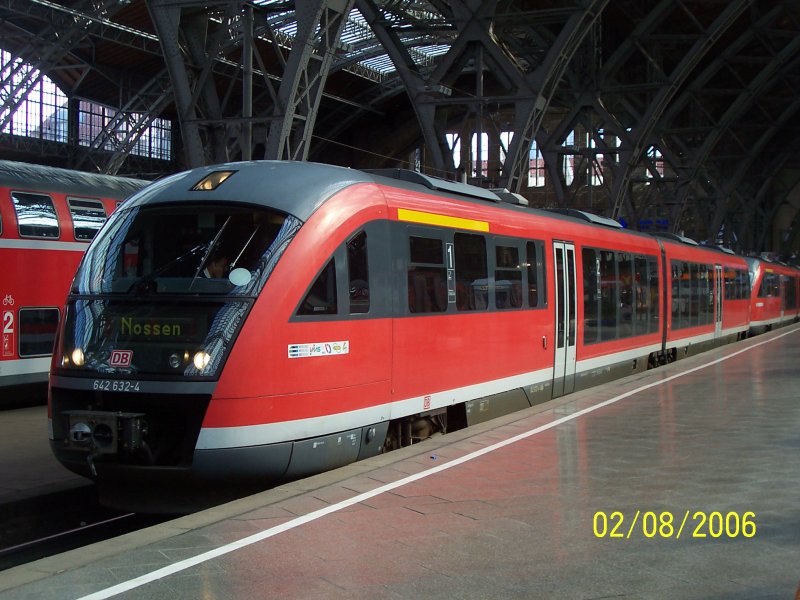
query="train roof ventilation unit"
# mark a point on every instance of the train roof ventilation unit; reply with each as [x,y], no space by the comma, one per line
[510,197]
[675,238]
[436,183]
[587,216]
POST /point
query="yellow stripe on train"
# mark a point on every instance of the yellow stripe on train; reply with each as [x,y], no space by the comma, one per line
[426,218]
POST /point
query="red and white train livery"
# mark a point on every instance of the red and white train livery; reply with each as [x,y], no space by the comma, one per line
[775,298]
[47,218]
[250,322]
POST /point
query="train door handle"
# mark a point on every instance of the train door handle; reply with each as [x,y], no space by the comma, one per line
[544,342]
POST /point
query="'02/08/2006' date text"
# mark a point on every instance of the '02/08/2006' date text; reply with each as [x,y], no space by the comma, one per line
[666,525]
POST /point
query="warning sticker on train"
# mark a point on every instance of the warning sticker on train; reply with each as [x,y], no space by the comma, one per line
[319,349]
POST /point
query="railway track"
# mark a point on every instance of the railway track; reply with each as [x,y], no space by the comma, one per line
[36,528]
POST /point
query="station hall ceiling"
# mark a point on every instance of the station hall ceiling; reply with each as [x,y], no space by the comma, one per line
[674,114]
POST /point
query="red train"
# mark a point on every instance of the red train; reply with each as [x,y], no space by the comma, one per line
[48,216]
[775,295]
[248,323]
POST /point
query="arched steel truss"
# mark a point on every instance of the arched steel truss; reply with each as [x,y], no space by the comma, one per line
[689,107]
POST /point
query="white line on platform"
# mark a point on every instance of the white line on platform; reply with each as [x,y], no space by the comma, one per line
[317,514]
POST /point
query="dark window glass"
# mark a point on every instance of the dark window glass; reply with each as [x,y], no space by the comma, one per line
[692,295]
[36,215]
[207,249]
[572,294]
[609,296]
[88,217]
[790,288]
[537,288]
[37,331]
[321,298]
[357,266]
[426,250]
[705,296]
[770,286]
[559,255]
[472,279]
[591,296]
[427,276]
[653,294]
[507,278]
[626,298]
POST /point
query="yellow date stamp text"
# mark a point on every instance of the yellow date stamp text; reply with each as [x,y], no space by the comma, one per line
[665,524]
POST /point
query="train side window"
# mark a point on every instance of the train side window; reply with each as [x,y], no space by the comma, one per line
[37,331]
[321,298]
[507,277]
[427,276]
[472,278]
[537,284]
[591,295]
[627,306]
[653,295]
[88,217]
[358,269]
[36,215]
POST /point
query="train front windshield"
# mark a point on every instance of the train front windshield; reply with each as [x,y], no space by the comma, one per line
[164,288]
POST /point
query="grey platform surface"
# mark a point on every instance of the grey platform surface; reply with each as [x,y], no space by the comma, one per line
[512,508]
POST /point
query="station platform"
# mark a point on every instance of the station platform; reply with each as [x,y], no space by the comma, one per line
[682,482]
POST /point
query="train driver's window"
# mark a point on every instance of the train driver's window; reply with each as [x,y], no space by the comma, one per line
[321,298]
[36,215]
[88,217]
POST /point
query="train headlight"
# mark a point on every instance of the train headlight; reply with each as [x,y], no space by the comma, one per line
[77,357]
[201,360]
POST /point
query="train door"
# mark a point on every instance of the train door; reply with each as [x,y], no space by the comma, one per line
[719,291]
[565,313]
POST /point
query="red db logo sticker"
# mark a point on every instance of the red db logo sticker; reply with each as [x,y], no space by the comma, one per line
[120,358]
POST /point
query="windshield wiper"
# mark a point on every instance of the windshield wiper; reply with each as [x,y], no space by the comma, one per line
[209,250]
[146,283]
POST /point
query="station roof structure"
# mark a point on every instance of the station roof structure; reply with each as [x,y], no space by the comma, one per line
[670,114]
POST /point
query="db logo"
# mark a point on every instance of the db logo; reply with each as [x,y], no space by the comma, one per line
[120,358]
[426,403]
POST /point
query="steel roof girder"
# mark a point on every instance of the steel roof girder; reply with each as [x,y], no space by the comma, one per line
[166,17]
[305,75]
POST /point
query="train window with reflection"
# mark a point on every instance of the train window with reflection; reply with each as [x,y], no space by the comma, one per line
[737,284]
[427,275]
[790,291]
[537,283]
[321,298]
[88,217]
[507,277]
[770,286]
[472,278]
[36,215]
[37,331]
[209,249]
[358,270]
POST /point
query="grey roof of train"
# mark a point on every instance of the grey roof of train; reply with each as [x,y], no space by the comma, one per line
[41,178]
[300,188]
